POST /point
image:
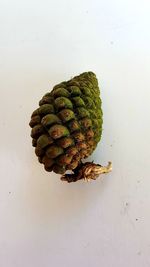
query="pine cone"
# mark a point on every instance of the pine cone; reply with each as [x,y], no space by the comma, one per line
[67,126]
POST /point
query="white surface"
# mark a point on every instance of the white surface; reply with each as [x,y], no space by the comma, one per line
[44,222]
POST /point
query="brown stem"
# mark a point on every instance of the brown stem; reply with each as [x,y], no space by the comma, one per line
[87,171]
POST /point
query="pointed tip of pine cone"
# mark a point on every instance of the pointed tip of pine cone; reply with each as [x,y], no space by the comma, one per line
[87,171]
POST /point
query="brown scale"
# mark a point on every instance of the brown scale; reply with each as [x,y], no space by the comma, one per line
[72,165]
[77,157]
[89,134]
[46,100]
[78,136]
[72,151]
[64,160]
[59,169]
[48,169]
[47,161]
[37,130]
[39,151]
[65,142]
[34,142]
[35,120]
[54,151]
[84,153]
[85,123]
[81,145]
[73,126]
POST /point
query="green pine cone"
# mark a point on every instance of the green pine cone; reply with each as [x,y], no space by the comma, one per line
[67,126]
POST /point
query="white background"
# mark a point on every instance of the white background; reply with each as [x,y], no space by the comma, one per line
[47,223]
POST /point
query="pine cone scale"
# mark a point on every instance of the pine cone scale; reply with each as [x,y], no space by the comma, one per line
[68,123]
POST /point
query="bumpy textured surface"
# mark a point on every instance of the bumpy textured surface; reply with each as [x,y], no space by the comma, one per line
[68,123]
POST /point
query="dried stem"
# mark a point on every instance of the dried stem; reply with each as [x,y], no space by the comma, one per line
[87,171]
